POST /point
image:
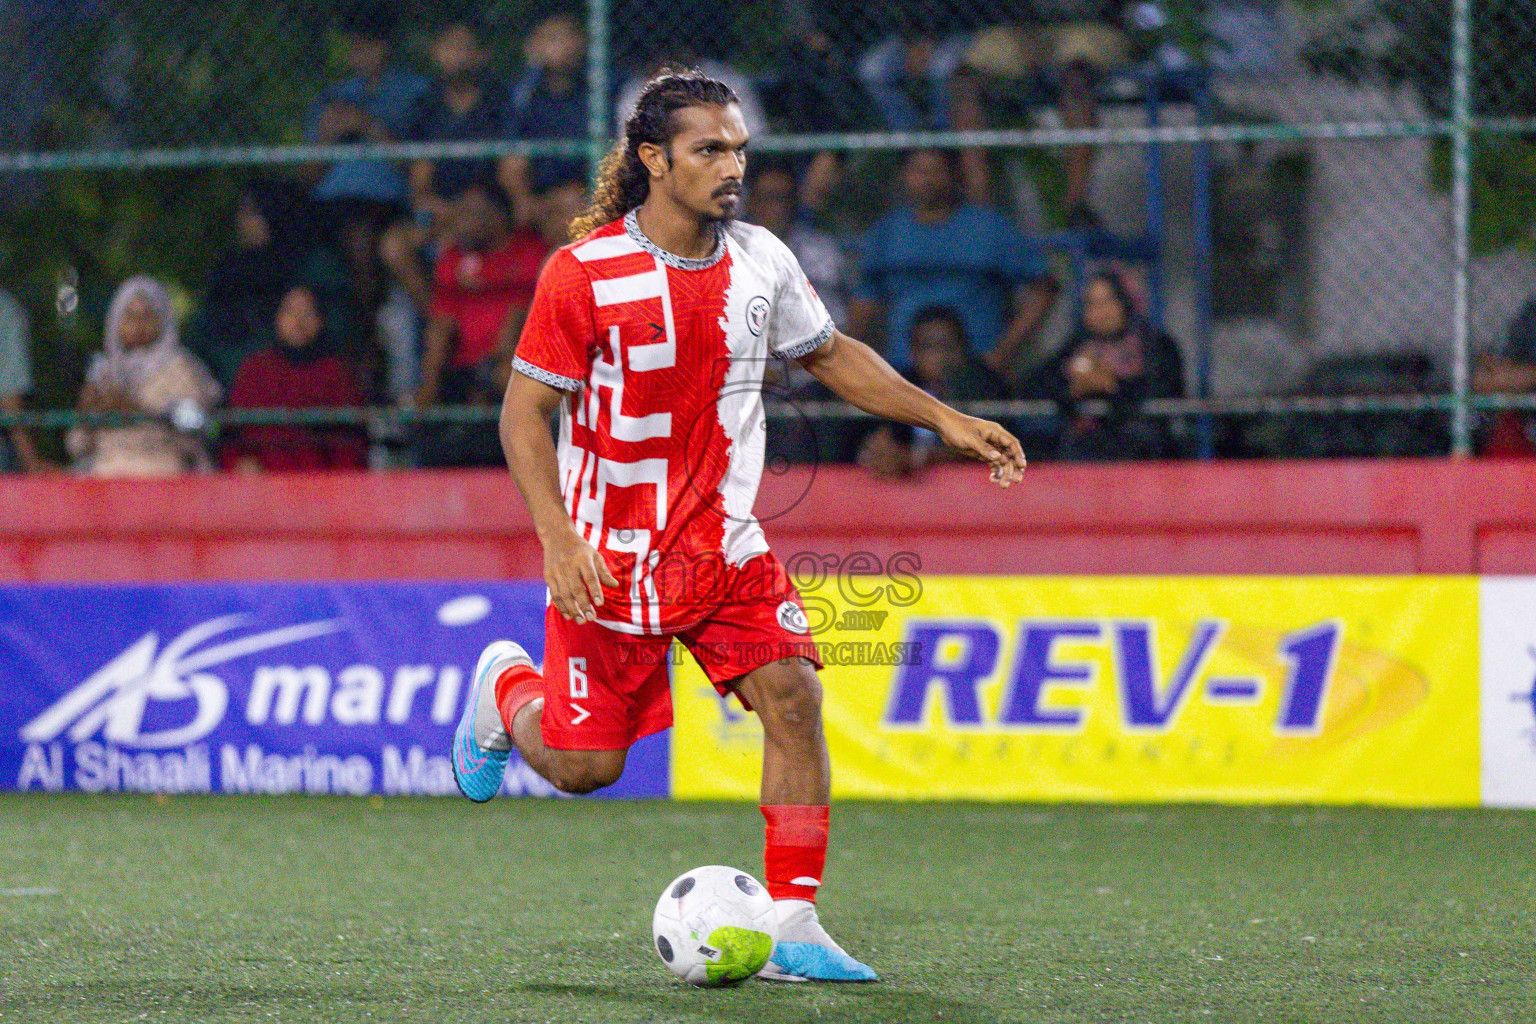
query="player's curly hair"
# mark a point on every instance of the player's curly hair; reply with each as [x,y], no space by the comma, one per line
[622,180]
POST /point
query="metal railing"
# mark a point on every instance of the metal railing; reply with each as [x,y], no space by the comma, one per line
[781,409]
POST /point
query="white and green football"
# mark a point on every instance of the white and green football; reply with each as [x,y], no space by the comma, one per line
[714,926]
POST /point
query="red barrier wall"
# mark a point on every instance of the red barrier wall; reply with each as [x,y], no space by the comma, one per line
[1441,516]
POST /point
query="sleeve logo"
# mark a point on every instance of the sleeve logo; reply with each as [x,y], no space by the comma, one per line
[757,315]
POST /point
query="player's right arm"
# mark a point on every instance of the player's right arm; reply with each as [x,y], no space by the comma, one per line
[553,358]
[573,569]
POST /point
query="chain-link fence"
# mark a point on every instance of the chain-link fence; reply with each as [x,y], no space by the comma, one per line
[1326,208]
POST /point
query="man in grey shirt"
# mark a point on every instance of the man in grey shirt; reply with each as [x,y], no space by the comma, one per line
[15,382]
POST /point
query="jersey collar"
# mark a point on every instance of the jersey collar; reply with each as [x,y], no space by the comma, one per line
[632,227]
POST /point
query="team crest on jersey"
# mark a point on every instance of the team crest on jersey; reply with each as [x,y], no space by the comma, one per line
[757,315]
[792,618]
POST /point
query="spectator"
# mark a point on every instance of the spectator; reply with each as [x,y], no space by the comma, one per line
[271,245]
[15,382]
[816,88]
[682,56]
[1019,72]
[376,104]
[909,78]
[466,104]
[946,246]
[1106,370]
[482,286]
[560,195]
[943,365]
[406,251]
[347,278]
[143,369]
[1512,370]
[297,370]
[923,79]
[549,102]
[775,200]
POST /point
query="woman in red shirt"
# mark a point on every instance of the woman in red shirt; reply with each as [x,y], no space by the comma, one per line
[297,371]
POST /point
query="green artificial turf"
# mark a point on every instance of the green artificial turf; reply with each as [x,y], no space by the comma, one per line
[130,908]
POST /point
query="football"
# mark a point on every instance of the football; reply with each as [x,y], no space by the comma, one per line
[714,926]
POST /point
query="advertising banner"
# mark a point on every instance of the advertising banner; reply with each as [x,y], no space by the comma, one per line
[1508,635]
[258,688]
[1387,690]
[1231,689]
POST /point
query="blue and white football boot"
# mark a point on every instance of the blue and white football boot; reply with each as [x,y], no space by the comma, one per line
[805,952]
[480,743]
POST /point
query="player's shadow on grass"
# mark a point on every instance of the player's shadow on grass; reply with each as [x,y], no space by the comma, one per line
[781,1003]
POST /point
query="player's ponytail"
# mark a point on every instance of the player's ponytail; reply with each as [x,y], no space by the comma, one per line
[622,179]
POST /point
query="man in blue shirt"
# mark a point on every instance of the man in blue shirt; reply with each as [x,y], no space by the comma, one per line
[375,105]
[947,246]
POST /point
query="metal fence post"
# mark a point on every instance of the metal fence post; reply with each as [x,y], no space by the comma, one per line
[597,84]
[1461,217]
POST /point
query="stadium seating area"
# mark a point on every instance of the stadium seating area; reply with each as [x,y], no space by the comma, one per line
[400,285]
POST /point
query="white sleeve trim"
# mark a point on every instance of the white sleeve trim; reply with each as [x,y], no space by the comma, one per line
[810,344]
[538,373]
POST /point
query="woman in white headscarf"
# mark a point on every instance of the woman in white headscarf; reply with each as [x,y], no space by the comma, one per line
[143,368]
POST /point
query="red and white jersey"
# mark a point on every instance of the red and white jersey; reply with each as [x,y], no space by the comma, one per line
[662,430]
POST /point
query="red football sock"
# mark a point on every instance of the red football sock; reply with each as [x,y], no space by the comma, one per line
[515,687]
[795,851]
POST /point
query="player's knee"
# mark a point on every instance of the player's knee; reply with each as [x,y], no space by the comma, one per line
[791,700]
[588,774]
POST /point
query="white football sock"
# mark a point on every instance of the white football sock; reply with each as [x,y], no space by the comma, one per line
[490,732]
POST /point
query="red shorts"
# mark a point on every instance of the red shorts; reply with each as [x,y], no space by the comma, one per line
[604,689]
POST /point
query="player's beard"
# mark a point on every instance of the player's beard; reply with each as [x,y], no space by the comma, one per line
[712,217]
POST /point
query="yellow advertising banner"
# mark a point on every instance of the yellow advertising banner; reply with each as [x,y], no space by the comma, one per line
[1231,689]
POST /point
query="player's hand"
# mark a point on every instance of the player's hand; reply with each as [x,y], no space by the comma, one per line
[575,573]
[987,441]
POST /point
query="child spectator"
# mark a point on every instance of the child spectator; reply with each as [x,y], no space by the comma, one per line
[296,370]
[1101,376]
[943,365]
[143,369]
[466,104]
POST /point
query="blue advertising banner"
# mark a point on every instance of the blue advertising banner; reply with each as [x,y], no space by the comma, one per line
[259,688]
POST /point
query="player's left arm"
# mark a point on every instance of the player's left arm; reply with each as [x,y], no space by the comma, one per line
[859,375]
